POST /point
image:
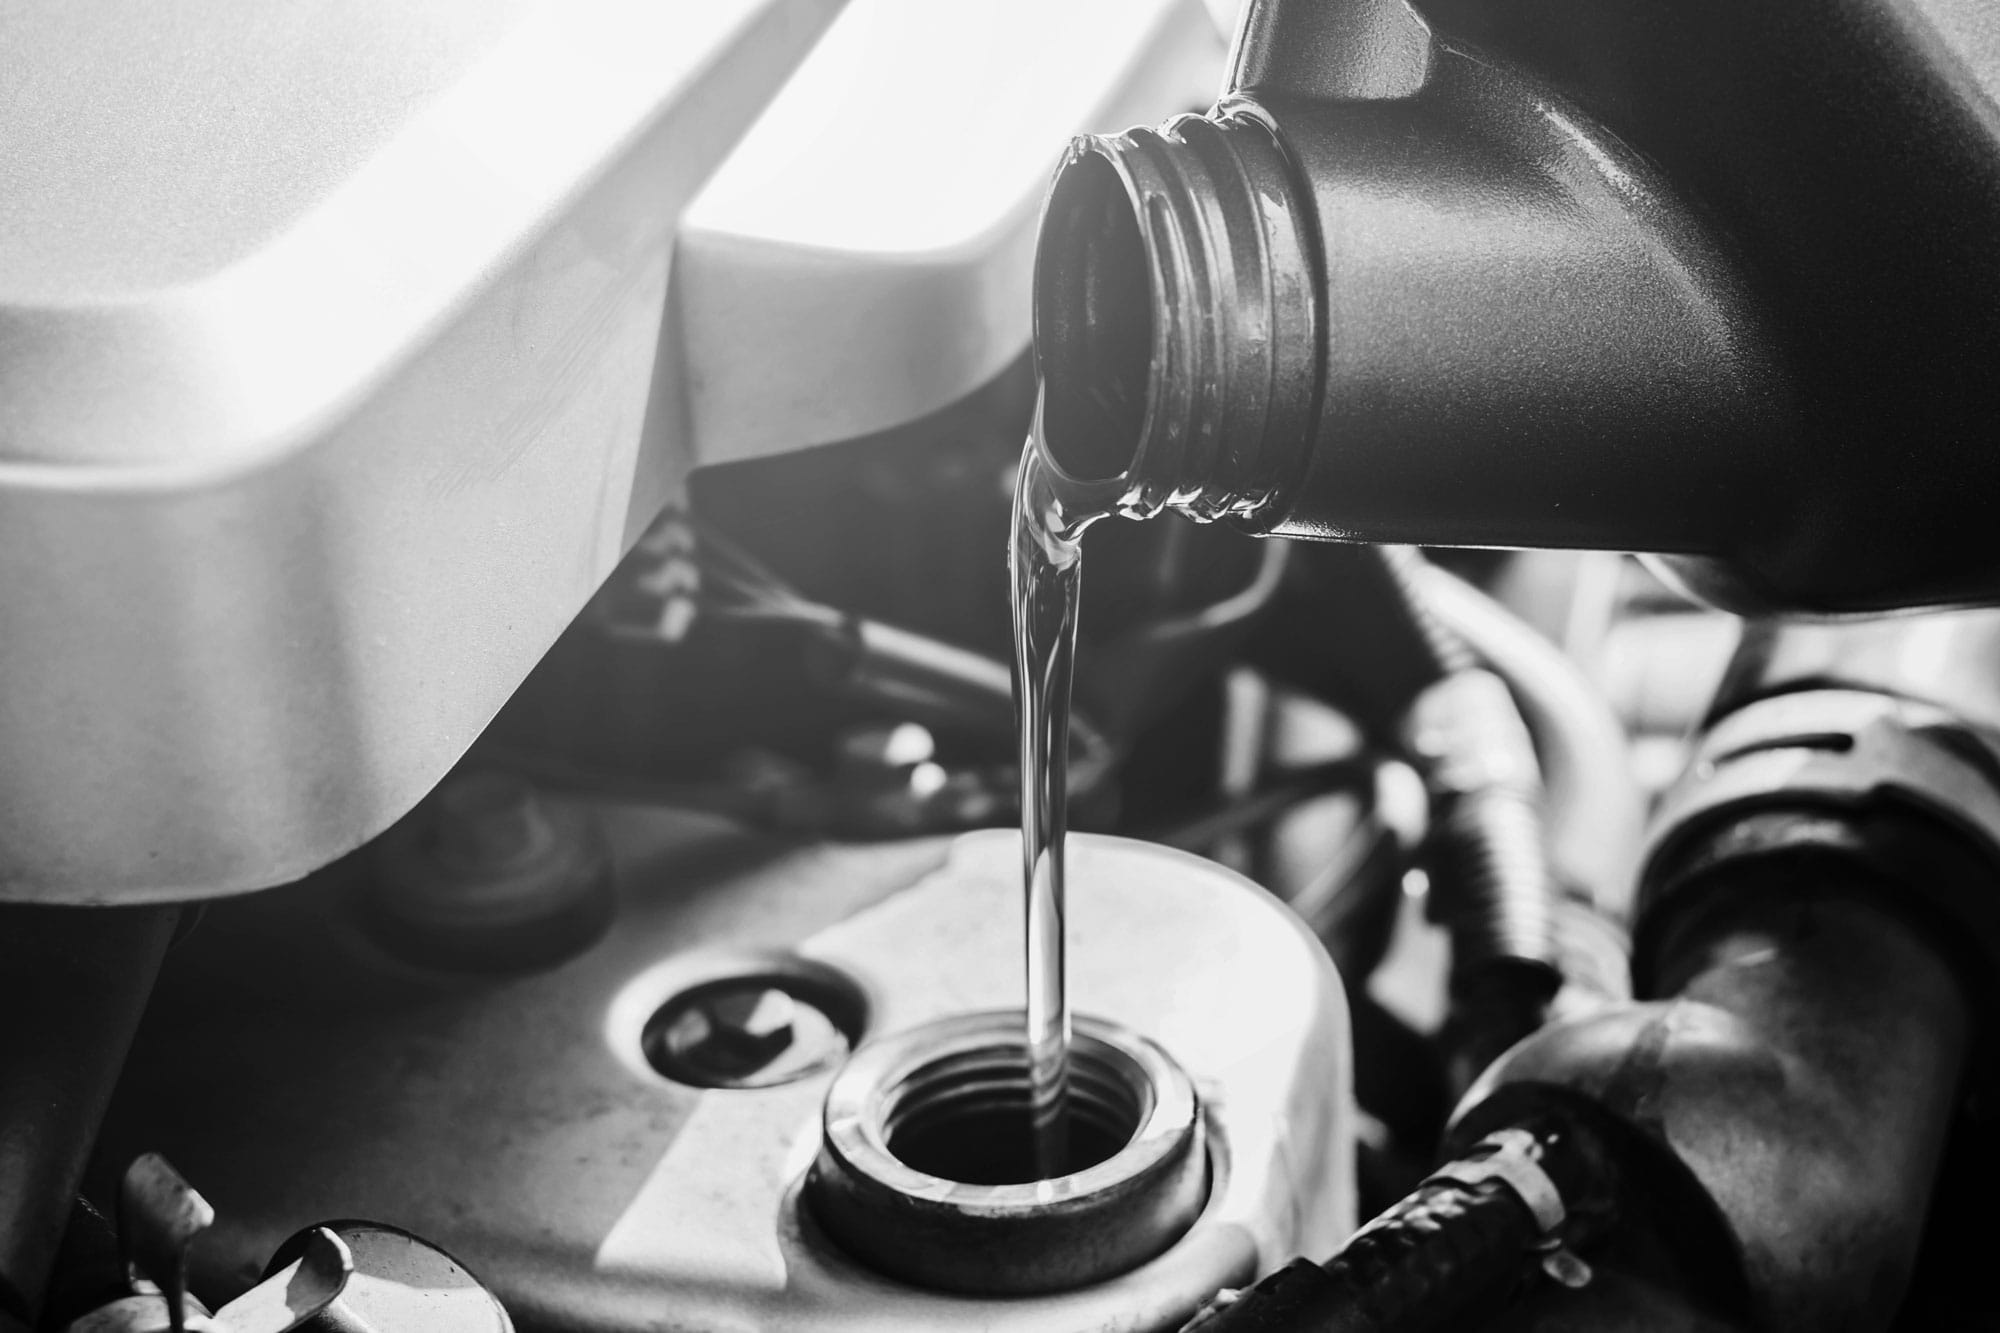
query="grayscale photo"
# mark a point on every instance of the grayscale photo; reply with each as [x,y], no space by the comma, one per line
[999,666]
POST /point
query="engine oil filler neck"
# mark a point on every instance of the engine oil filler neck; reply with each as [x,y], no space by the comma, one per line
[928,1170]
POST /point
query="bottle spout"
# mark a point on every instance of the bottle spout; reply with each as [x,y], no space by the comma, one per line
[1094,333]
[1176,320]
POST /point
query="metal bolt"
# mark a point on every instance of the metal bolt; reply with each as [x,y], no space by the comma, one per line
[755,1026]
[489,875]
[486,821]
[745,1034]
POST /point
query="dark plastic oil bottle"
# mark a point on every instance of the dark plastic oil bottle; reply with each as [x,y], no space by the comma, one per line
[1395,289]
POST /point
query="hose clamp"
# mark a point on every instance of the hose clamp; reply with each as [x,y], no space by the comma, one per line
[1513,1157]
[1855,756]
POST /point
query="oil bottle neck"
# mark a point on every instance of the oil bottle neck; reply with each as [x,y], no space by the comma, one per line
[1178,326]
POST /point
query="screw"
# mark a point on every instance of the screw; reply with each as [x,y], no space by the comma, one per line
[733,1033]
[489,875]
[746,1033]
[753,1025]
[486,821]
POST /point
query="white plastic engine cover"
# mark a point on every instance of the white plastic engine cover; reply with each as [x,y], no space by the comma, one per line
[326,340]
[863,259]
[330,369]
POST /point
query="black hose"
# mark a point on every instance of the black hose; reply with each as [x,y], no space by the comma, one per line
[1467,1237]
[1488,852]
[1595,812]
[1445,647]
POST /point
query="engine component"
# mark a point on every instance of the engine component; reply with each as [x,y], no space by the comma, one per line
[1817,921]
[1802,1064]
[328,351]
[1486,851]
[756,1025]
[345,1277]
[930,1170]
[1596,814]
[528,1124]
[1940,659]
[346,350]
[1465,1240]
[1393,290]
[1900,783]
[1893,723]
[1492,885]
[749,708]
[488,874]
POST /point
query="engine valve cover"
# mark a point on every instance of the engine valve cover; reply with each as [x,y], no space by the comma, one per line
[525,1124]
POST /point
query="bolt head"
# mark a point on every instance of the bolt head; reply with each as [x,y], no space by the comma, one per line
[483,820]
[759,1018]
[734,1033]
[746,1033]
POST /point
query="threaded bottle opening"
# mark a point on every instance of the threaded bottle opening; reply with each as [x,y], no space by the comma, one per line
[1093,322]
[1177,320]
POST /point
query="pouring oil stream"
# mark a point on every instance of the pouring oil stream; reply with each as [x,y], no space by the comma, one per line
[1045,559]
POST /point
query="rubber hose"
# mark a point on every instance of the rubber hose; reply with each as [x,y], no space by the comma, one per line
[1595,812]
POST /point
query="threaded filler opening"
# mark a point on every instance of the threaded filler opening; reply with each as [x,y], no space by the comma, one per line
[1093,321]
[965,1117]
[926,1172]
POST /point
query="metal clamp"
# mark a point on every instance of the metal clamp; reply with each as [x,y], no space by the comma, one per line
[1852,753]
[1512,1157]
[1842,747]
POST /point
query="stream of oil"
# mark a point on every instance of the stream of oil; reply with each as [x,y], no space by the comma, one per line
[1045,558]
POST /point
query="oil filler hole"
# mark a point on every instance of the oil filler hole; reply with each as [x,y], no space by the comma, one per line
[966,1117]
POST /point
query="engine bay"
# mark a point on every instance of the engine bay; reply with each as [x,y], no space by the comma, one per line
[535,798]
